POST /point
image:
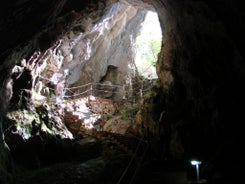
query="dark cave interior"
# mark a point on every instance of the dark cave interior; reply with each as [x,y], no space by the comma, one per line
[192,111]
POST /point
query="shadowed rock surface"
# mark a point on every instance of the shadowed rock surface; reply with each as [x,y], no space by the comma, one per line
[51,50]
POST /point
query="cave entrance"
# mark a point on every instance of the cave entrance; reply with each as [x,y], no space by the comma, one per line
[68,69]
[124,46]
[94,63]
[148,45]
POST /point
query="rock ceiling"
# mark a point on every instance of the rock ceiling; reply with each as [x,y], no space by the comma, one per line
[200,66]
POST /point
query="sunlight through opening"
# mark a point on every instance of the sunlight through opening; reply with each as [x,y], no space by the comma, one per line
[148,45]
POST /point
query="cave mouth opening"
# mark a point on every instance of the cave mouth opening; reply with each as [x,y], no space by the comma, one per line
[92,52]
[148,45]
[86,53]
[52,77]
[63,71]
[143,49]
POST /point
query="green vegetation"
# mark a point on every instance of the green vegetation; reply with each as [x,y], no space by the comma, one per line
[149,47]
[124,115]
[148,94]
[110,124]
[106,117]
[148,44]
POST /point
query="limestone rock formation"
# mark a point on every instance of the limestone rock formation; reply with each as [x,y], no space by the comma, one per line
[194,110]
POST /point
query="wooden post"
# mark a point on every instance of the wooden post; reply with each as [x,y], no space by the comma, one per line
[91,89]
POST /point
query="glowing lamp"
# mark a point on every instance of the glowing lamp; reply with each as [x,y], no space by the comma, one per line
[196,163]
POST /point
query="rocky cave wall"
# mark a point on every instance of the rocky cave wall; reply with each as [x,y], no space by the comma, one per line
[197,102]
[81,47]
[79,43]
[200,70]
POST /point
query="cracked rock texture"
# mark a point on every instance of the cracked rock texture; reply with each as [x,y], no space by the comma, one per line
[196,104]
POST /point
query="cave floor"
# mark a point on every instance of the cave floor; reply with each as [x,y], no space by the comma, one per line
[104,170]
[159,171]
[72,173]
[64,173]
[97,170]
[89,161]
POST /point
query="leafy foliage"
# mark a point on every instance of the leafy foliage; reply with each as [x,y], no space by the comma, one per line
[148,44]
[124,114]
[149,48]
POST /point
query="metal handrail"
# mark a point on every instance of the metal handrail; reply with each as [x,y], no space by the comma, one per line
[129,164]
[77,94]
[91,89]
[139,164]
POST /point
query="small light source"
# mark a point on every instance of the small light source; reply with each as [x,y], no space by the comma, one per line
[196,163]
